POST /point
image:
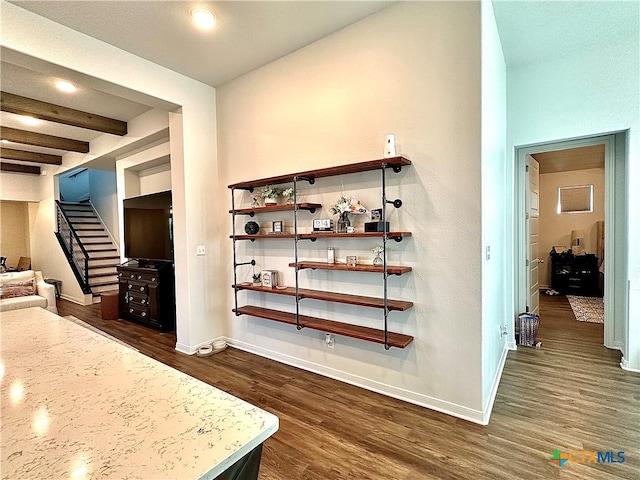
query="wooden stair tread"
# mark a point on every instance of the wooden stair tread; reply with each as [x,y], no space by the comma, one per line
[106,257]
[103,284]
[99,275]
[330,326]
[399,305]
[391,269]
[394,162]
[106,265]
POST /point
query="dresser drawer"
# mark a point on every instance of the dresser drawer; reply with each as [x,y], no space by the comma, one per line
[139,311]
[137,287]
[138,297]
[147,277]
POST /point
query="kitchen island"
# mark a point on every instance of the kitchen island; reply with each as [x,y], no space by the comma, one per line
[76,404]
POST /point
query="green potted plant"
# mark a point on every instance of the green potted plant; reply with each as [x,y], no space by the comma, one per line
[270,194]
[256,279]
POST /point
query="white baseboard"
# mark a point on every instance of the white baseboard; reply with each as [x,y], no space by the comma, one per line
[465,413]
[624,364]
[486,413]
[78,301]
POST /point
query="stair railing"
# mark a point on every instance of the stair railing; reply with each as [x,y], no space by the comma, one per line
[75,252]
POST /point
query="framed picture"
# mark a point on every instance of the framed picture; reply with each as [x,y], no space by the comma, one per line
[269,278]
[376,215]
[276,227]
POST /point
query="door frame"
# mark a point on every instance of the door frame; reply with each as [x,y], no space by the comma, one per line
[615,218]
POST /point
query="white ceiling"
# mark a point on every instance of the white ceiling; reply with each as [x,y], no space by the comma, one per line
[247,35]
[535,30]
[250,34]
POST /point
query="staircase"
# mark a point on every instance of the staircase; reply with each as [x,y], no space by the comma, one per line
[92,247]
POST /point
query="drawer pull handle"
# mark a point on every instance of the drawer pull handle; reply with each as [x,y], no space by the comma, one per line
[131,310]
[130,287]
[142,289]
[144,314]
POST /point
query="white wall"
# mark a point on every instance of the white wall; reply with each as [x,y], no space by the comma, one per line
[494,207]
[589,93]
[198,217]
[102,190]
[414,70]
[19,187]
[555,228]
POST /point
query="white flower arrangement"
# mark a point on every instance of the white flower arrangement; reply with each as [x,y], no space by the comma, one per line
[288,192]
[348,205]
[378,249]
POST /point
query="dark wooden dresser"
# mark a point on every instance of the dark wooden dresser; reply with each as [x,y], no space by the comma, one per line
[147,293]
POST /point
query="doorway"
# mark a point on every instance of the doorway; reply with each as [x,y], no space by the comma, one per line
[615,253]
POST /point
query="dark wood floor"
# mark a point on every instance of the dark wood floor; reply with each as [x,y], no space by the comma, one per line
[570,394]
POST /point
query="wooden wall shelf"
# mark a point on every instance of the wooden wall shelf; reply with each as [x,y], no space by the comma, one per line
[391,269]
[339,328]
[385,337]
[395,162]
[303,293]
[314,236]
[276,208]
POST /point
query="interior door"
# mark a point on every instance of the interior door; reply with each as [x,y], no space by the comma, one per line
[532,205]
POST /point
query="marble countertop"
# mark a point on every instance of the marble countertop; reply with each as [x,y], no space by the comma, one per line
[75,404]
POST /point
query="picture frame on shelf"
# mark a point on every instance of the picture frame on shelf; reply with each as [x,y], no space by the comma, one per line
[269,278]
[376,215]
[277,226]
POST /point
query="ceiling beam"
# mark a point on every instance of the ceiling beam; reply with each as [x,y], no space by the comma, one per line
[55,113]
[34,157]
[42,140]
[15,168]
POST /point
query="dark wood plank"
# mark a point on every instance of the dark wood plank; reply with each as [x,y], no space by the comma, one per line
[316,235]
[395,162]
[339,328]
[391,269]
[16,168]
[33,157]
[570,394]
[263,236]
[42,140]
[56,113]
[399,305]
[276,208]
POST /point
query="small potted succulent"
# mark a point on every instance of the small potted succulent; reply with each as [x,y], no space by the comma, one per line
[270,194]
[256,279]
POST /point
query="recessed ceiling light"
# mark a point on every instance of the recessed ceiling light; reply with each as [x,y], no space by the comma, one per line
[203,18]
[31,121]
[65,86]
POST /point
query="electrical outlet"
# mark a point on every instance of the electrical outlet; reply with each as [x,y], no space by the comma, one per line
[200,250]
[503,330]
[329,340]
